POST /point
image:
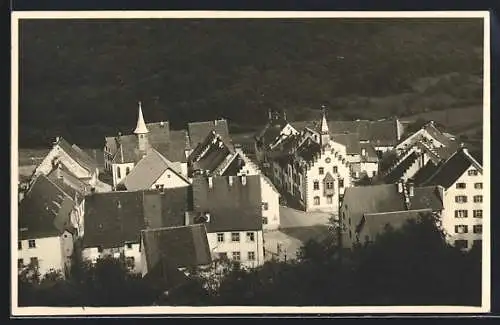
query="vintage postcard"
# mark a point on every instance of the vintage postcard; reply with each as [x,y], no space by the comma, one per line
[245,162]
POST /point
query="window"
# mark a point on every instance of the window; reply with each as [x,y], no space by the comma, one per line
[461,185]
[316,200]
[477,229]
[341,183]
[478,242]
[130,261]
[472,172]
[265,206]
[264,220]
[20,262]
[477,213]
[220,237]
[235,236]
[478,186]
[478,198]
[127,171]
[461,229]
[335,169]
[316,185]
[19,245]
[321,170]
[222,255]
[461,199]
[129,245]
[462,244]
[251,256]
[329,199]
[31,243]
[329,185]
[118,172]
[251,236]
[34,261]
[460,213]
[236,256]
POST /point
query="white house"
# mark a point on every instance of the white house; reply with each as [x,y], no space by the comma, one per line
[462,178]
[114,221]
[315,173]
[154,171]
[74,159]
[231,209]
[46,227]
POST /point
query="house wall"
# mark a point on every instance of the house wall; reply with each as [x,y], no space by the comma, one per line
[313,175]
[184,168]
[347,226]
[123,172]
[243,246]
[92,254]
[169,179]
[134,252]
[450,206]
[271,198]
[49,252]
[370,168]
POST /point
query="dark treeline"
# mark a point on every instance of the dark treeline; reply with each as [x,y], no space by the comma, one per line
[82,79]
[411,266]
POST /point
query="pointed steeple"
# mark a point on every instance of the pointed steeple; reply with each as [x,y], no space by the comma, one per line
[325,132]
[141,125]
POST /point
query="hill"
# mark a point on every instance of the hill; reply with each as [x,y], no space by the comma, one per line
[82,79]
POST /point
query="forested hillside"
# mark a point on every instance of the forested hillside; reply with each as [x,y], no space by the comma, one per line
[82,79]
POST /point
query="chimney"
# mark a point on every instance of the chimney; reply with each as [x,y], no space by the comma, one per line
[363,152]
[230,179]
[56,141]
[210,182]
[92,190]
[270,115]
[207,215]
[400,187]
[187,219]
[244,180]
[119,204]
[284,115]
[411,189]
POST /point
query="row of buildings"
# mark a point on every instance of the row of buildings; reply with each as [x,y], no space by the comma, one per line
[319,165]
[178,199]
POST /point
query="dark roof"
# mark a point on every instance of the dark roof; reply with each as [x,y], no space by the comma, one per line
[308,150]
[386,198]
[184,246]
[148,170]
[234,167]
[210,154]
[395,174]
[44,211]
[449,171]
[234,207]
[437,133]
[198,131]
[425,172]
[349,140]
[68,182]
[271,131]
[97,155]
[373,225]
[77,154]
[114,218]
[371,153]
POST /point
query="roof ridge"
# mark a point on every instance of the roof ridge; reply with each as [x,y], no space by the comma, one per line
[396,212]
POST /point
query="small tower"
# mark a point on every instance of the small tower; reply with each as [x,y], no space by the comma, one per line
[141,131]
[325,133]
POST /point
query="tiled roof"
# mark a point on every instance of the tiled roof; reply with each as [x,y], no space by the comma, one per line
[184,246]
[114,218]
[127,149]
[425,172]
[148,170]
[437,134]
[449,171]
[375,224]
[234,207]
[44,211]
[97,155]
[78,155]
[371,153]
[308,150]
[395,174]
[68,182]
[427,197]
[210,154]
[350,140]
[198,131]
[271,131]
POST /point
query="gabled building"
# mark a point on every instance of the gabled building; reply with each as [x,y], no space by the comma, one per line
[313,169]
[362,202]
[430,134]
[47,223]
[230,207]
[114,221]
[462,178]
[154,171]
[74,159]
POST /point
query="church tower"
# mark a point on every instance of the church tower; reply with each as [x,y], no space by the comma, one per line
[141,131]
[325,132]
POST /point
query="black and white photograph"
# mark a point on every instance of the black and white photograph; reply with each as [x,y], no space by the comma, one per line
[250,162]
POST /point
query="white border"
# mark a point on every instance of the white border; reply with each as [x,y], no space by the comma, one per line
[74,311]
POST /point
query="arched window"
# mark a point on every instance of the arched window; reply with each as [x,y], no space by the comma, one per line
[127,171]
[118,172]
[316,200]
